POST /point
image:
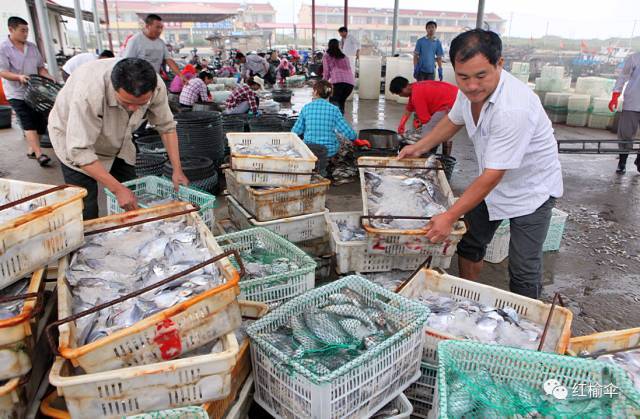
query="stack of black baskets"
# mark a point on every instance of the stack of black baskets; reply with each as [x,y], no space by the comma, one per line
[266,123]
[232,123]
[201,172]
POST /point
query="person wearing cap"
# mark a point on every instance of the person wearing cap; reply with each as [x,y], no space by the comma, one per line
[243,98]
[176,86]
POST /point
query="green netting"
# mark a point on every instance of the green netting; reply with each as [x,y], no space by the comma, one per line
[190,412]
[478,380]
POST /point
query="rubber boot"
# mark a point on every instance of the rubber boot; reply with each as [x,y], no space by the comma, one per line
[622,164]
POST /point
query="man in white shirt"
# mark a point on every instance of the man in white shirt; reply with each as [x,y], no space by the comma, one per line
[86,57]
[520,174]
[350,47]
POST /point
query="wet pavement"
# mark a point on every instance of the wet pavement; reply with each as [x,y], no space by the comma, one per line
[597,270]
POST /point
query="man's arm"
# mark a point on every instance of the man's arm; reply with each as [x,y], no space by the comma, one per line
[253,104]
[440,225]
[170,141]
[22,78]
[126,198]
[42,72]
[204,93]
[174,67]
[443,131]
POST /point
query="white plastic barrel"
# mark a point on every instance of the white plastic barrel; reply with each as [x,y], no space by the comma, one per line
[405,69]
[370,70]
[390,73]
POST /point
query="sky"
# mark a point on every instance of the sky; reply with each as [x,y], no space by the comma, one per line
[578,19]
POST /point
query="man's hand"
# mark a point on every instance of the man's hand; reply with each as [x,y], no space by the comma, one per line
[126,198]
[178,179]
[439,227]
[410,151]
[23,78]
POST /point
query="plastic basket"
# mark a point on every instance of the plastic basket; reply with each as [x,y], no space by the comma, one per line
[360,387]
[196,321]
[294,229]
[163,188]
[352,256]
[578,103]
[144,388]
[462,289]
[272,289]
[42,236]
[12,398]
[295,171]
[16,348]
[577,119]
[272,204]
[423,393]
[608,341]
[556,230]
[242,370]
[400,403]
[532,369]
[600,121]
[407,242]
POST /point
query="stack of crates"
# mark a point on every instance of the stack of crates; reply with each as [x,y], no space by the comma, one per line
[281,194]
[552,80]
[578,109]
[520,70]
[590,106]
[556,106]
[600,117]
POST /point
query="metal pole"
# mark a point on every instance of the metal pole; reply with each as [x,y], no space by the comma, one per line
[96,25]
[45,30]
[106,20]
[346,13]
[480,15]
[394,36]
[313,27]
[80,23]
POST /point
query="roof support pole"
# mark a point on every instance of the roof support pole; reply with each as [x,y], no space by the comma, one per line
[313,27]
[96,25]
[480,15]
[80,23]
[106,20]
[394,35]
[346,13]
[45,31]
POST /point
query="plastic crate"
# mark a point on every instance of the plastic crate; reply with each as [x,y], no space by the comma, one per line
[401,403]
[284,202]
[295,229]
[552,72]
[462,289]
[557,100]
[556,230]
[16,349]
[272,289]
[163,188]
[352,256]
[423,393]
[296,171]
[407,242]
[357,389]
[144,388]
[33,240]
[195,320]
[600,121]
[608,341]
[12,398]
[578,103]
[241,373]
[532,369]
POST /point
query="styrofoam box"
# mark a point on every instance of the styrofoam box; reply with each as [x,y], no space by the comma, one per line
[601,105]
[557,99]
[578,103]
[577,119]
[599,121]
[552,72]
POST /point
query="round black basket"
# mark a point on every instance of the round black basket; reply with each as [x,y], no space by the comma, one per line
[194,168]
[150,144]
[448,163]
[288,123]
[266,123]
[5,116]
[206,107]
[282,95]
[201,134]
[149,164]
[41,93]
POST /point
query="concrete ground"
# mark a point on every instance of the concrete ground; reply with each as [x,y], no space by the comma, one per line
[597,270]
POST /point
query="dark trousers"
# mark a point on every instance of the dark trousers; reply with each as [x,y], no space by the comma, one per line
[425,76]
[627,129]
[528,233]
[119,170]
[320,152]
[341,92]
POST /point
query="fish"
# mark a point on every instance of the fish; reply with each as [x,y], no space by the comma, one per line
[348,310]
[268,150]
[16,210]
[259,262]
[629,361]
[349,233]
[13,308]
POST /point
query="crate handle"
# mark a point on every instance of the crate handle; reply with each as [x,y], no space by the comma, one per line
[99,307]
[34,196]
[397,217]
[270,172]
[195,207]
[426,263]
[373,166]
[37,308]
[548,322]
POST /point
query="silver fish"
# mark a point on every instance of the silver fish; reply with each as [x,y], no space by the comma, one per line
[348,310]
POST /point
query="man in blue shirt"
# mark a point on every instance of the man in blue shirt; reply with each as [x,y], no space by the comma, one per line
[428,51]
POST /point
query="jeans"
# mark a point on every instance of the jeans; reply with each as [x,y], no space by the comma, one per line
[528,233]
[425,76]
[119,170]
[341,92]
[241,108]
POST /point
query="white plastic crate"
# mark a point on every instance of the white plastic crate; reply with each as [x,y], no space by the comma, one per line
[33,240]
[163,188]
[16,346]
[520,67]
[557,116]
[600,121]
[560,100]
[552,72]
[352,256]
[295,171]
[577,119]
[360,387]
[144,388]
[462,289]
[193,323]
[272,204]
[498,248]
[423,393]
[294,229]
[407,242]
[400,403]
[595,86]
[578,103]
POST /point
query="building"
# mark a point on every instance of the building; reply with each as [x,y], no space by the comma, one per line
[376,25]
[188,22]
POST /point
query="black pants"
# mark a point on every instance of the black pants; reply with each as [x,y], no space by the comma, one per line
[341,92]
[119,170]
[425,76]
[320,152]
[30,119]
[627,128]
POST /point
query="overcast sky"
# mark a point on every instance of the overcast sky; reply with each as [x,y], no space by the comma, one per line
[568,18]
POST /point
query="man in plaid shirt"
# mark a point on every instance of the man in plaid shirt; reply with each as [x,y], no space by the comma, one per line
[196,90]
[243,98]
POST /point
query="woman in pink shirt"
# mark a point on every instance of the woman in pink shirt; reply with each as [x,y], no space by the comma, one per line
[189,71]
[337,70]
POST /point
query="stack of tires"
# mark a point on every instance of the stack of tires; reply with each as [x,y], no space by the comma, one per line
[201,172]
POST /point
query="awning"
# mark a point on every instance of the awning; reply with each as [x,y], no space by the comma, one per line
[64,10]
[190,17]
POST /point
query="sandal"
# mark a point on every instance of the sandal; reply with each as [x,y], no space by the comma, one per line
[44,160]
[31,155]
